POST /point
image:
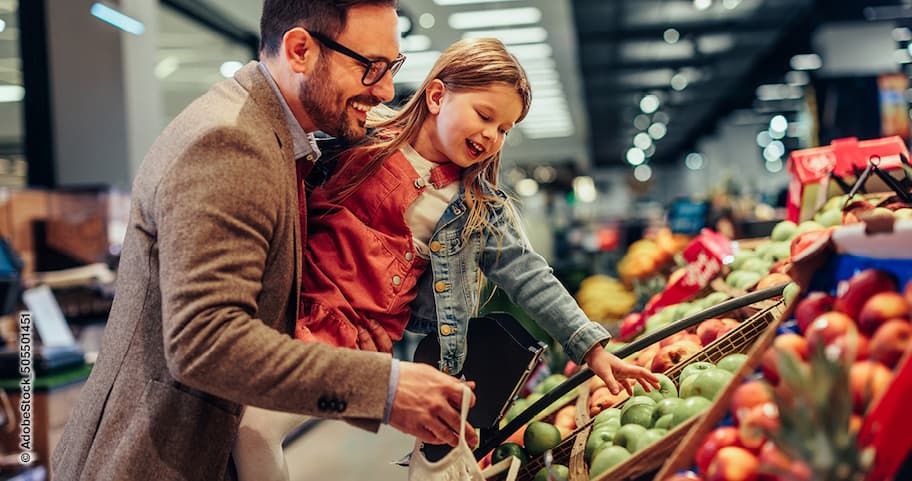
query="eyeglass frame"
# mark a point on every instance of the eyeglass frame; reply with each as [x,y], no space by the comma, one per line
[392,66]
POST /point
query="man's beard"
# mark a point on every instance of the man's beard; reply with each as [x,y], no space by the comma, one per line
[320,101]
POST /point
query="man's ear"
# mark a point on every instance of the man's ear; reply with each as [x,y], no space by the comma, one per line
[434,95]
[300,50]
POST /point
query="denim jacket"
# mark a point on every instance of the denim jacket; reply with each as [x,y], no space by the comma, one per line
[449,290]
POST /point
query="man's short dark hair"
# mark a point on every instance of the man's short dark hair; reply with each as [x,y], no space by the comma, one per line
[325,16]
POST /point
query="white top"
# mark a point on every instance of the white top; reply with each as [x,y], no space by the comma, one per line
[423,214]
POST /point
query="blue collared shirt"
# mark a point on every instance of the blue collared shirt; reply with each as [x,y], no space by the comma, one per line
[305,146]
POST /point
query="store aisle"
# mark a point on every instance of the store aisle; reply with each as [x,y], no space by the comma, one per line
[335,451]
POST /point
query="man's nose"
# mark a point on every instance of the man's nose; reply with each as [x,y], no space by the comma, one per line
[384,89]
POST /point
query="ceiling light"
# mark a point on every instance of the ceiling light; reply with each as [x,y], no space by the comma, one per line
[808,61]
[229,68]
[415,43]
[447,3]
[902,56]
[731,4]
[650,151]
[661,117]
[584,189]
[426,20]
[778,92]
[527,187]
[764,138]
[671,36]
[774,165]
[635,156]
[2,25]
[512,36]
[642,173]
[902,34]
[702,4]
[494,18]
[679,82]
[649,103]
[641,122]
[531,51]
[657,130]
[775,150]
[778,123]
[694,161]
[404,24]
[642,140]
[11,93]
[124,22]
[545,174]
[776,134]
[797,78]
[166,67]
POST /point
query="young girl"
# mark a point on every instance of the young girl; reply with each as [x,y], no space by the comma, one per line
[402,234]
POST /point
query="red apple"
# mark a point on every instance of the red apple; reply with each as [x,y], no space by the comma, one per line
[827,327]
[645,357]
[811,307]
[867,381]
[708,330]
[879,308]
[631,326]
[733,464]
[668,356]
[756,423]
[776,466]
[712,443]
[679,336]
[852,347]
[788,342]
[891,340]
[907,292]
[851,294]
[749,395]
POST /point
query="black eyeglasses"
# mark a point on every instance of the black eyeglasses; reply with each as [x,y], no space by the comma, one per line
[374,70]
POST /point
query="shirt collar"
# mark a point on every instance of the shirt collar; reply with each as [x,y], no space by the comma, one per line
[305,144]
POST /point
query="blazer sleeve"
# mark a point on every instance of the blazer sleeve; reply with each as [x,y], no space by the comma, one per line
[216,210]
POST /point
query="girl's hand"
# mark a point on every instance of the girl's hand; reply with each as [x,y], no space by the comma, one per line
[619,374]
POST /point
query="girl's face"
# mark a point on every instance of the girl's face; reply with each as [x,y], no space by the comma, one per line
[468,126]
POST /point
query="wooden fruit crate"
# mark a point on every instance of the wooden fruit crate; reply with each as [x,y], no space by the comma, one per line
[740,340]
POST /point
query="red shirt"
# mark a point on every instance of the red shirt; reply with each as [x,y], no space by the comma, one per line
[360,261]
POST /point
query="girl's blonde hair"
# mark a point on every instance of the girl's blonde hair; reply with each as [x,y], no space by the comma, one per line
[469,64]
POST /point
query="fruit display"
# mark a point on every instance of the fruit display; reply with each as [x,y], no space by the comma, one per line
[647,257]
[799,417]
[605,298]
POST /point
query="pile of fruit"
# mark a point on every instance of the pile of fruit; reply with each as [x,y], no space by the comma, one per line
[647,257]
[605,298]
[799,421]
[645,418]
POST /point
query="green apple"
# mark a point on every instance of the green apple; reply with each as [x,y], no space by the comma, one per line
[829,218]
[597,441]
[638,414]
[558,472]
[781,250]
[732,362]
[708,383]
[791,291]
[904,213]
[666,406]
[784,231]
[757,265]
[651,436]
[687,409]
[627,433]
[808,226]
[607,416]
[715,298]
[664,422]
[607,459]
[666,389]
[694,368]
[740,258]
[549,383]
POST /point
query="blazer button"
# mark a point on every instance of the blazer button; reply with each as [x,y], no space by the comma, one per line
[446,330]
[436,246]
[341,406]
[441,286]
[446,370]
[397,280]
[408,256]
[322,404]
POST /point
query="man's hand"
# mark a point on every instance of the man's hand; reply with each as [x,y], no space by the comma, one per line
[374,337]
[427,405]
[619,374]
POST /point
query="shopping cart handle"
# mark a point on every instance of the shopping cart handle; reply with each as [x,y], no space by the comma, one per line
[499,436]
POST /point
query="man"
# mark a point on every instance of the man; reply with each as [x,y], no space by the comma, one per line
[208,280]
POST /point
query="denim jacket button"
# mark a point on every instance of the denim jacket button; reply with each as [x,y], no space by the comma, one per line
[446,370]
[397,280]
[419,183]
[441,286]
[408,256]
[446,330]
[436,246]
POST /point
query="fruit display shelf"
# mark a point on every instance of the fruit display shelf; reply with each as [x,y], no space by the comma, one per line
[740,340]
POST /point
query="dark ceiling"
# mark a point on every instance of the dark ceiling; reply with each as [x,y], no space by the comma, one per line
[724,54]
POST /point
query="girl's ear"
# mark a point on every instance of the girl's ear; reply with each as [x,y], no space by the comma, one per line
[300,50]
[434,95]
